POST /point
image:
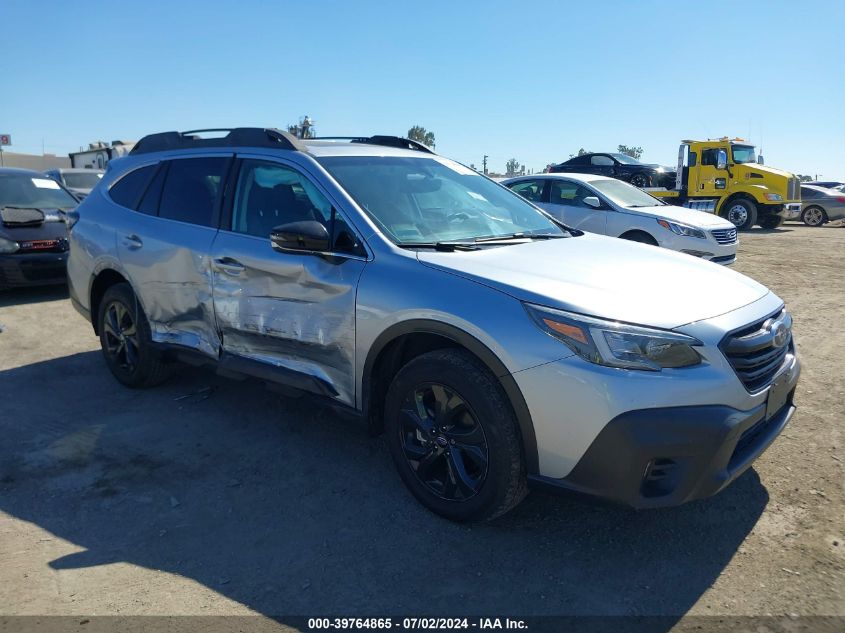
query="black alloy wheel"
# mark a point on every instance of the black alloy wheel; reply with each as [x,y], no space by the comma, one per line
[443,442]
[121,336]
[640,180]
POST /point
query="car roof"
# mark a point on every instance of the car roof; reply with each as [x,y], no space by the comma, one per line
[22,172]
[320,148]
[825,190]
[76,170]
[567,175]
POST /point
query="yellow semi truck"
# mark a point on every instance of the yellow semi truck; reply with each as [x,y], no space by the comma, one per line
[727,176]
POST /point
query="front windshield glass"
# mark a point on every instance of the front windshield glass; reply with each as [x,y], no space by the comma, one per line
[623,194]
[744,154]
[82,180]
[429,200]
[626,160]
[22,190]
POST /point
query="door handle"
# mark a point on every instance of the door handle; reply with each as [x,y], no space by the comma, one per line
[229,266]
[132,242]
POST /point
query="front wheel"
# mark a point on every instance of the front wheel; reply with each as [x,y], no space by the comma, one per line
[742,213]
[454,438]
[813,216]
[640,180]
[126,342]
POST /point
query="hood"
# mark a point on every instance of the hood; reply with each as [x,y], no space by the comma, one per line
[765,169]
[698,219]
[605,277]
[53,227]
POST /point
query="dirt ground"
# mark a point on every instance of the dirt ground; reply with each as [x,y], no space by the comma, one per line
[208,496]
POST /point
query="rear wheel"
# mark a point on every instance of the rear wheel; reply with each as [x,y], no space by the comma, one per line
[453,437]
[126,342]
[742,213]
[771,221]
[813,216]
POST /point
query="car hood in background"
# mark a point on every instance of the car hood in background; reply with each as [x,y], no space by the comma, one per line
[53,227]
[605,277]
[683,215]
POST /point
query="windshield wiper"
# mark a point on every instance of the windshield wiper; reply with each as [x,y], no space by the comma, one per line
[517,237]
[441,246]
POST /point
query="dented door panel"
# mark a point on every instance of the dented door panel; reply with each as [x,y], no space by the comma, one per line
[293,311]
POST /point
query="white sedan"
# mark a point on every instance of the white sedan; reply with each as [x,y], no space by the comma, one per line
[611,207]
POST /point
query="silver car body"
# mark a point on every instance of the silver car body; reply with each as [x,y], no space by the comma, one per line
[323,321]
[719,241]
[831,201]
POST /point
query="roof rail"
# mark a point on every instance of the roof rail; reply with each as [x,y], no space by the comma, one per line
[239,136]
[379,139]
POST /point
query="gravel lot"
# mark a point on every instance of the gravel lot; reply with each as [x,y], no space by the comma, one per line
[208,496]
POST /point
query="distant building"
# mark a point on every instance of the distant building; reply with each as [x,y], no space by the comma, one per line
[38,162]
[99,154]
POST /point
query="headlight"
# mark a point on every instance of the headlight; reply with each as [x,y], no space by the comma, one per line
[8,246]
[774,197]
[682,229]
[617,344]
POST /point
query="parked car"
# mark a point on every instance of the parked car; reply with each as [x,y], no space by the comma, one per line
[494,345]
[79,182]
[33,235]
[615,208]
[619,166]
[820,205]
[827,184]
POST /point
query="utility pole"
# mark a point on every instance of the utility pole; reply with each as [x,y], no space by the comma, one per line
[484,164]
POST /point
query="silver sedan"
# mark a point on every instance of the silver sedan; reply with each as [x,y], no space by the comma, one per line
[820,205]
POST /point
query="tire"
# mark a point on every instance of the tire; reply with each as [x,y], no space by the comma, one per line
[813,216]
[770,221]
[640,236]
[640,180]
[742,213]
[476,434]
[125,340]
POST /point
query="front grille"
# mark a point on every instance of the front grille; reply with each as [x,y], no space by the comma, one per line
[793,189]
[725,236]
[753,351]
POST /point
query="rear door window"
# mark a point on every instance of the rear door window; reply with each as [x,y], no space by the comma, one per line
[191,190]
[530,189]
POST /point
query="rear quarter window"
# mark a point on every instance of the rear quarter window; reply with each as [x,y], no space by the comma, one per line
[128,190]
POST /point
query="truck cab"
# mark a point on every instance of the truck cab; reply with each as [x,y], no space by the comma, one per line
[729,173]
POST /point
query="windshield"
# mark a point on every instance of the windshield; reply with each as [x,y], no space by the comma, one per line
[626,160]
[744,154]
[623,194]
[429,200]
[22,190]
[82,180]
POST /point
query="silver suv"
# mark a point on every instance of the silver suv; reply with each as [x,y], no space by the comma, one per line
[495,346]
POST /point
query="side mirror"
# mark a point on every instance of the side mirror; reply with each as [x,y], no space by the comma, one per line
[760,160]
[300,237]
[593,201]
[722,159]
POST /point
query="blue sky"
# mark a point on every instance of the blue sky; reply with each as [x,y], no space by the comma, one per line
[534,81]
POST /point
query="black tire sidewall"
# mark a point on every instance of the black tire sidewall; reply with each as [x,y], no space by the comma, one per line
[480,391]
[138,377]
[750,208]
[643,176]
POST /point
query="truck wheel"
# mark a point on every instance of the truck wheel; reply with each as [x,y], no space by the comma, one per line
[453,437]
[771,221]
[126,342]
[813,216]
[640,180]
[742,213]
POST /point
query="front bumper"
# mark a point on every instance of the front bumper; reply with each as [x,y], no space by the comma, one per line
[33,269]
[790,211]
[652,458]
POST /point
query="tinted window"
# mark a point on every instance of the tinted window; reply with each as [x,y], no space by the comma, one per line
[569,193]
[806,192]
[601,160]
[693,158]
[710,156]
[149,203]
[190,190]
[127,191]
[579,160]
[529,189]
[25,190]
[269,195]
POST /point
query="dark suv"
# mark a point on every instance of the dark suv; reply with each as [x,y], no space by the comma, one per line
[619,166]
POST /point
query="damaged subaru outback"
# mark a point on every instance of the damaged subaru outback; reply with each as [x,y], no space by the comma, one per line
[496,347]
